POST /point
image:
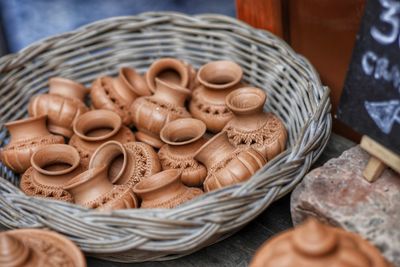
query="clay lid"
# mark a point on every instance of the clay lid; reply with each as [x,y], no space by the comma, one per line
[314,244]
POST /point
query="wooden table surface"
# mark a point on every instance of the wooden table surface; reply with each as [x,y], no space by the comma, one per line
[238,249]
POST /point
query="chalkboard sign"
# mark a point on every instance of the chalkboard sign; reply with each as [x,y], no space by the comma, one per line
[370,101]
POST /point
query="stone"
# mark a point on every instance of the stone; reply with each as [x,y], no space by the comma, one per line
[337,193]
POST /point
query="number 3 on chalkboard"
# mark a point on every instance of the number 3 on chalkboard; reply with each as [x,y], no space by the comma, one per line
[389,16]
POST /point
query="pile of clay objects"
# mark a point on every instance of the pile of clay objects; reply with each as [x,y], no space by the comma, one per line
[152,141]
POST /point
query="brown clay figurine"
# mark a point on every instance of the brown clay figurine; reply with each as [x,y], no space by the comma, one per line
[92,189]
[27,136]
[251,126]
[38,248]
[227,165]
[314,244]
[164,190]
[183,137]
[127,163]
[217,79]
[52,167]
[96,127]
[117,94]
[63,104]
[151,113]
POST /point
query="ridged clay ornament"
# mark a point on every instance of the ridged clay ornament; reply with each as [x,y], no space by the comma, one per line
[183,137]
[52,167]
[63,104]
[313,244]
[217,79]
[151,113]
[227,165]
[38,248]
[127,163]
[251,126]
[164,190]
[96,127]
[27,136]
[117,94]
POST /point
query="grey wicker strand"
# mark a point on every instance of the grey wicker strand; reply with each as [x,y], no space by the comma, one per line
[294,92]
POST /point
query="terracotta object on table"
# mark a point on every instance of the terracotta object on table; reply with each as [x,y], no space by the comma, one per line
[52,167]
[63,104]
[251,126]
[96,127]
[127,163]
[217,79]
[183,137]
[92,189]
[151,113]
[27,136]
[227,165]
[38,248]
[314,244]
[164,190]
[117,94]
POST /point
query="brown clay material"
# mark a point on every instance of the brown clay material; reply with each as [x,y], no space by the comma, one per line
[193,82]
[183,137]
[217,79]
[38,248]
[317,245]
[127,163]
[117,94]
[92,189]
[251,126]
[63,104]
[151,113]
[164,190]
[95,128]
[27,136]
[52,167]
[227,165]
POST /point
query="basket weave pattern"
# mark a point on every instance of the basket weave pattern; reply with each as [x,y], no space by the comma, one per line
[294,93]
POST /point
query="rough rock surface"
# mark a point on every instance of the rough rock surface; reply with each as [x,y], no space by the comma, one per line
[338,194]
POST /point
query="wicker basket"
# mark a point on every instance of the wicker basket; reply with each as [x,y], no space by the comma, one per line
[294,92]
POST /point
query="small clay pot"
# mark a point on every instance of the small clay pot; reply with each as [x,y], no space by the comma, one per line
[227,165]
[217,79]
[183,137]
[127,163]
[164,190]
[251,126]
[117,94]
[63,104]
[151,113]
[37,248]
[52,167]
[314,244]
[27,136]
[96,127]
[92,189]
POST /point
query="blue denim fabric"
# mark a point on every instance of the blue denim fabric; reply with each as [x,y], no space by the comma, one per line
[26,21]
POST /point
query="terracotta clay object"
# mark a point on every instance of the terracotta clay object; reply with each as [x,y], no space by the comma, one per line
[52,167]
[27,136]
[92,189]
[63,104]
[151,113]
[117,94]
[253,127]
[96,127]
[38,248]
[183,137]
[127,163]
[164,190]
[227,165]
[217,79]
[314,244]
